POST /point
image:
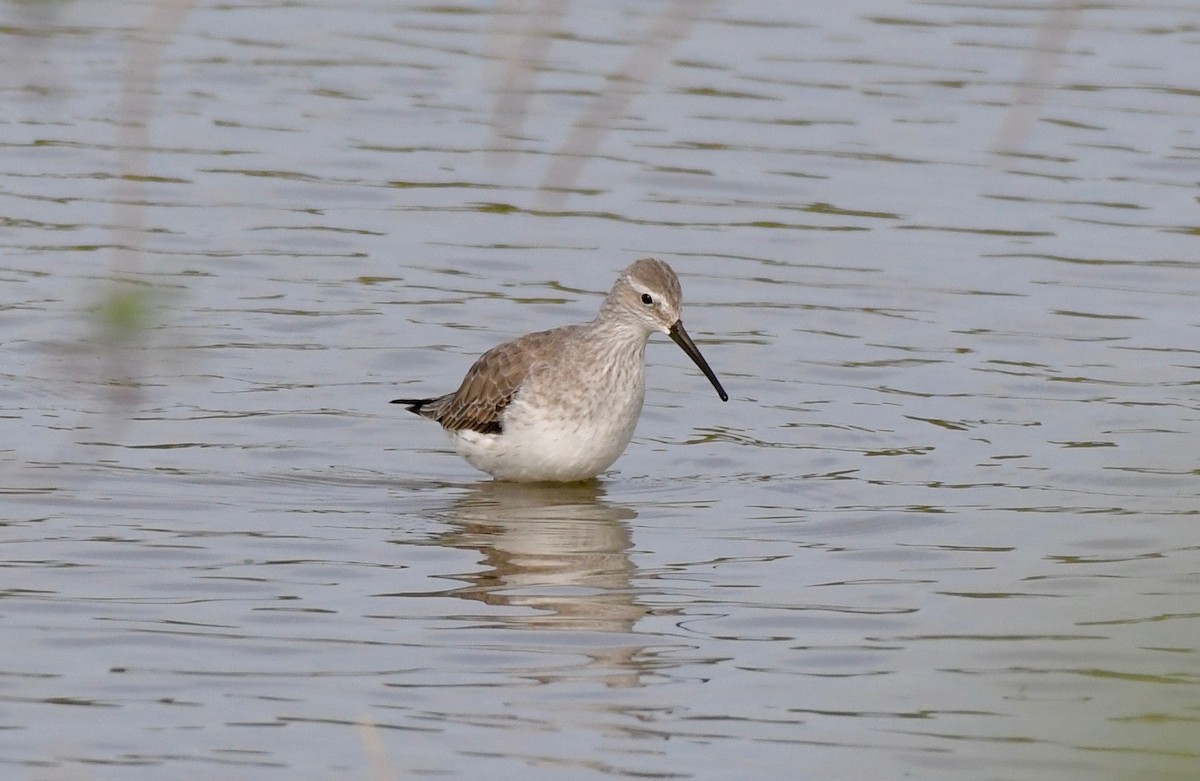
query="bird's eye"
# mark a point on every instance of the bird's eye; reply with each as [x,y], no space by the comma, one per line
[647,299]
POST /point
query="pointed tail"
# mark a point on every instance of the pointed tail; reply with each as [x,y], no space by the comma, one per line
[412,405]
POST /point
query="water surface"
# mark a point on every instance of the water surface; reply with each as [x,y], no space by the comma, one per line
[944,528]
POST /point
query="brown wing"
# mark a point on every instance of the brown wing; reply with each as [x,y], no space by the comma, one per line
[491,384]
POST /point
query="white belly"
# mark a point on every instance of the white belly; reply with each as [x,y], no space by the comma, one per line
[556,442]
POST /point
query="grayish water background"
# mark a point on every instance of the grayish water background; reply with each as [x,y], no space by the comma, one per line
[945,527]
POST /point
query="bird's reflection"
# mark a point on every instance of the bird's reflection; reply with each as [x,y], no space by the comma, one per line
[561,550]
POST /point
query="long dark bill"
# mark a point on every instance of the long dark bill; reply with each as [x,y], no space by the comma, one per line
[679,335]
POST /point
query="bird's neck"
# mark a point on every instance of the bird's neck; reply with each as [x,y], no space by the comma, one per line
[621,334]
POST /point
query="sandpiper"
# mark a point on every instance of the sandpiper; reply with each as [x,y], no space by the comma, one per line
[561,405]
